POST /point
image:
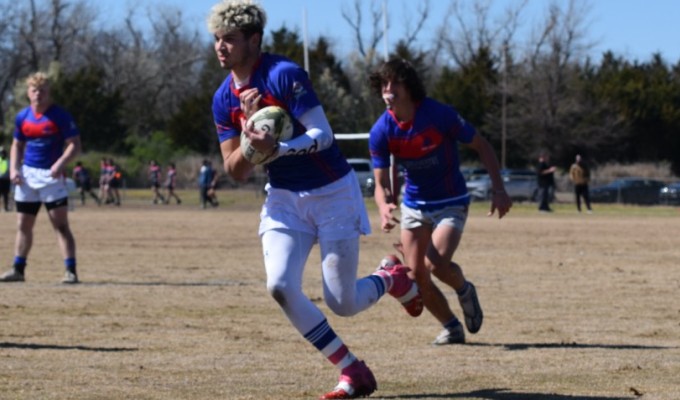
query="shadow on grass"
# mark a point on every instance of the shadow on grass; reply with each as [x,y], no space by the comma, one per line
[503,394]
[160,283]
[572,345]
[34,346]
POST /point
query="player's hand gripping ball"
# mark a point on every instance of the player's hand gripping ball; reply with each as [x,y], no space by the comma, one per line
[273,120]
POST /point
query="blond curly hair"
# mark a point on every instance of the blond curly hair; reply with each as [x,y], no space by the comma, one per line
[244,15]
[37,79]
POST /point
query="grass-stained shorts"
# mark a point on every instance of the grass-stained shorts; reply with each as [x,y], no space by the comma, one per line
[332,212]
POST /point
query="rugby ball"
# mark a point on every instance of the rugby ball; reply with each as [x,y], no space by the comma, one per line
[273,120]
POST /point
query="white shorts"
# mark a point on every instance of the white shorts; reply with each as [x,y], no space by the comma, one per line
[454,216]
[38,186]
[332,212]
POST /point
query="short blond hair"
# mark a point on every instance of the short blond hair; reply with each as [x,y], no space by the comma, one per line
[244,15]
[37,79]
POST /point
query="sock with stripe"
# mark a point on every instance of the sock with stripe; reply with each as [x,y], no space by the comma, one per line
[330,345]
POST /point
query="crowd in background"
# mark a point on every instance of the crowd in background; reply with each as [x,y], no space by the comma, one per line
[108,187]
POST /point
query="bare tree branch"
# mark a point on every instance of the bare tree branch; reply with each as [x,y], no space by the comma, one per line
[355,22]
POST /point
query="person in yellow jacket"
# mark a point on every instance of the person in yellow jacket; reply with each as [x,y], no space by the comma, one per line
[4,179]
[579,173]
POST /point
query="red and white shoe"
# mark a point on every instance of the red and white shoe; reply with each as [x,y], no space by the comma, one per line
[355,381]
[403,288]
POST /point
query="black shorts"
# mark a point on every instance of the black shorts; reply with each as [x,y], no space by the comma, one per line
[4,186]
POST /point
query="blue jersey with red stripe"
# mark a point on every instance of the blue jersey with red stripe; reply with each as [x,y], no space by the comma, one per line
[427,148]
[44,135]
[283,83]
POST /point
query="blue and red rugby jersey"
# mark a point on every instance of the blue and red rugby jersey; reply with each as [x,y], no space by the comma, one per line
[282,83]
[154,174]
[44,135]
[427,148]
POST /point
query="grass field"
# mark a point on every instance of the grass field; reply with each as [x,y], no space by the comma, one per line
[173,306]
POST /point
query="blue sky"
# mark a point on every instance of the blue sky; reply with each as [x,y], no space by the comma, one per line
[633,29]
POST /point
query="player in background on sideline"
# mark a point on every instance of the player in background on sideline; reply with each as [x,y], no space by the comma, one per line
[170,182]
[114,179]
[104,192]
[207,183]
[45,140]
[154,174]
[312,195]
[81,176]
[423,136]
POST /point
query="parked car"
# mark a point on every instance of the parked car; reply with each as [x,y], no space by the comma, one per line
[470,173]
[520,184]
[670,194]
[364,172]
[628,191]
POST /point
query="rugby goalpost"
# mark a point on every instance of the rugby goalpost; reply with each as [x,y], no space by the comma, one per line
[351,136]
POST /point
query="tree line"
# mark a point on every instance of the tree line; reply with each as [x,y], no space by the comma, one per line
[143,88]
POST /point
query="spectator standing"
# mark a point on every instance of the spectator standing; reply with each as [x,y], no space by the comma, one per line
[546,182]
[579,174]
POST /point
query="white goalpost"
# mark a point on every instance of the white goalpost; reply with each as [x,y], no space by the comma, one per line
[351,136]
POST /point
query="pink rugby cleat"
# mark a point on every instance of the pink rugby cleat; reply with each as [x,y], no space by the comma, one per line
[403,288]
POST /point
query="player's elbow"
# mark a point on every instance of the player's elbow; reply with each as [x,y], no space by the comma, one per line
[239,174]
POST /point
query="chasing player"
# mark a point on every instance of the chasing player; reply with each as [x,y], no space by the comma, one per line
[423,136]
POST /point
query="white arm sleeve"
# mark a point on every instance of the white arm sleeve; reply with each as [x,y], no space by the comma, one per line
[319,135]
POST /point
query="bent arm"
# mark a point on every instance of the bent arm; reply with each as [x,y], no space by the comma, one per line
[384,198]
[318,137]
[488,158]
[234,163]
[499,200]
[71,151]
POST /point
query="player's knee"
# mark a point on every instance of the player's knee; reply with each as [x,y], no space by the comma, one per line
[278,291]
[62,228]
[445,269]
[423,276]
[342,309]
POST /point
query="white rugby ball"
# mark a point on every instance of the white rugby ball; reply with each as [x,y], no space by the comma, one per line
[273,120]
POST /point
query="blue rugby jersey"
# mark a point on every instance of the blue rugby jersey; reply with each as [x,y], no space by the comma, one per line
[283,83]
[44,135]
[427,148]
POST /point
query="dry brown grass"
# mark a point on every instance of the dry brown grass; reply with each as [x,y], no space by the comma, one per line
[173,306]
